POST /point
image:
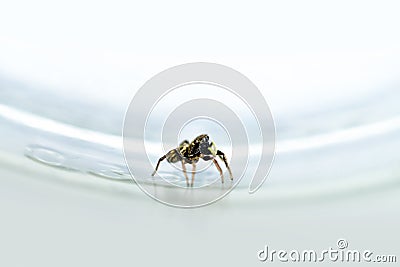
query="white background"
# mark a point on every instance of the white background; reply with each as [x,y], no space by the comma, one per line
[301,54]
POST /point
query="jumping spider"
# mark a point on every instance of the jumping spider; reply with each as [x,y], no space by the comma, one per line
[200,148]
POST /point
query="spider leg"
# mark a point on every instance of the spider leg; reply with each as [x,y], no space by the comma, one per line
[172,156]
[184,172]
[219,169]
[158,164]
[223,157]
[193,172]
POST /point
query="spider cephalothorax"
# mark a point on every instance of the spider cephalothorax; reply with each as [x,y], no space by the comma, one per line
[199,148]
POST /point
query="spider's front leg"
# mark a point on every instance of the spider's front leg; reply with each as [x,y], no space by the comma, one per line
[211,157]
[219,170]
[222,156]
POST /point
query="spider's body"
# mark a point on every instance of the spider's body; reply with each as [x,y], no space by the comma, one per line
[199,148]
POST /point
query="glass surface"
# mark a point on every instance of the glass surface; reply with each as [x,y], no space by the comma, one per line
[336,149]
